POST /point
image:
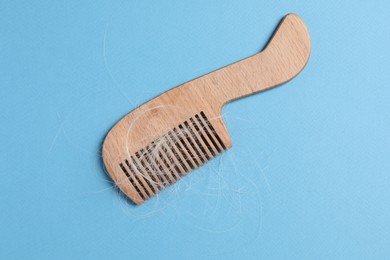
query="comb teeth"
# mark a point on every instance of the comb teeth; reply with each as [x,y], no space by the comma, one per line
[165,160]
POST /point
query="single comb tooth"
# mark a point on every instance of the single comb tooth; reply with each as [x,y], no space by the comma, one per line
[130,177]
[184,140]
[179,157]
[150,179]
[139,175]
[213,130]
[205,138]
[181,151]
[205,152]
[172,164]
[208,131]
[136,180]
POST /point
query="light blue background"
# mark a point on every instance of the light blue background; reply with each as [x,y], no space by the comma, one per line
[308,176]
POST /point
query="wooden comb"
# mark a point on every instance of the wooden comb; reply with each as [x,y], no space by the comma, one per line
[161,141]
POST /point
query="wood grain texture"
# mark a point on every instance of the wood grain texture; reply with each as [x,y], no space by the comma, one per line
[159,142]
